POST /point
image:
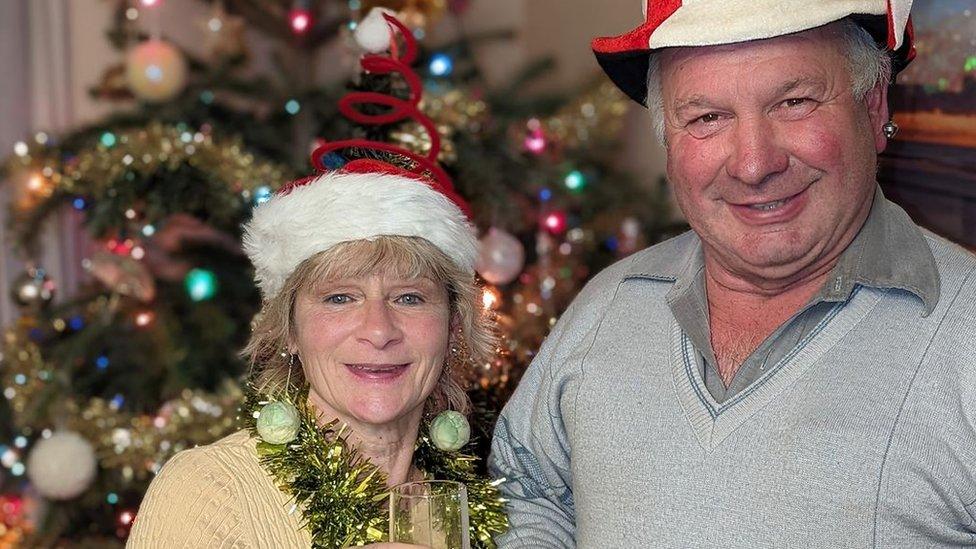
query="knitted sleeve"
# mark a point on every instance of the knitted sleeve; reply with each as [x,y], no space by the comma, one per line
[530,450]
[191,503]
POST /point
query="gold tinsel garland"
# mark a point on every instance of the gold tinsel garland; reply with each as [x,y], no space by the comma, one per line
[96,169]
[134,445]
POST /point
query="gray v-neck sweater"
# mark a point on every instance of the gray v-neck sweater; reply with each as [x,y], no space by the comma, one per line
[863,435]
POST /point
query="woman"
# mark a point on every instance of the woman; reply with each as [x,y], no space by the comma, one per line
[371,316]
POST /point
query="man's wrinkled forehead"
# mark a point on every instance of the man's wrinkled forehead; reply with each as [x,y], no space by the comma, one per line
[828,36]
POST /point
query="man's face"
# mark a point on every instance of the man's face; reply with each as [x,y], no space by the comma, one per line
[771,158]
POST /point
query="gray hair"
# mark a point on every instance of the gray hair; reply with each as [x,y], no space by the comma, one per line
[869,64]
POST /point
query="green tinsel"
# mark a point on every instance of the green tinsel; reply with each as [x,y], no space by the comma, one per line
[343,497]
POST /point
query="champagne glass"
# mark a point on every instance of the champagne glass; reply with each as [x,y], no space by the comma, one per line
[430,512]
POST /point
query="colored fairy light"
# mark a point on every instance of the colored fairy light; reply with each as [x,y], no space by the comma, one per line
[108,139]
[144,318]
[78,203]
[200,284]
[101,362]
[262,194]
[301,20]
[20,148]
[20,441]
[535,142]
[355,5]
[126,518]
[148,230]
[555,222]
[292,107]
[18,469]
[215,24]
[149,3]
[117,401]
[206,97]
[575,180]
[112,498]
[970,65]
[76,323]
[545,195]
[441,64]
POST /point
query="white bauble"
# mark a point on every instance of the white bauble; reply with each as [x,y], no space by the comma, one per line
[155,71]
[62,466]
[373,33]
[500,258]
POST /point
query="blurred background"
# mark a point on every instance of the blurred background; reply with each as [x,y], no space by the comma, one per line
[138,134]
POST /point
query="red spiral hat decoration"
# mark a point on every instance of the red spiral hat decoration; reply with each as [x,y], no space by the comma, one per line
[424,167]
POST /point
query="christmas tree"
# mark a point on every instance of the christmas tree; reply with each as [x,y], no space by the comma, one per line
[101,387]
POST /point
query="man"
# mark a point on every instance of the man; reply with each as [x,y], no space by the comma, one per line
[799,370]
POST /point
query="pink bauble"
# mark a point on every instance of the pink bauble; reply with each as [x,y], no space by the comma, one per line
[155,71]
[501,257]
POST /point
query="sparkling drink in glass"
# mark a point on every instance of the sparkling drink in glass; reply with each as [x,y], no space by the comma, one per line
[430,512]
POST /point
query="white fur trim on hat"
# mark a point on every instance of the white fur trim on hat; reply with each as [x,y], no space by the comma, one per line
[341,207]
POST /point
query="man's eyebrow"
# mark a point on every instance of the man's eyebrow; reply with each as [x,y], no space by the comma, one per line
[692,102]
[802,82]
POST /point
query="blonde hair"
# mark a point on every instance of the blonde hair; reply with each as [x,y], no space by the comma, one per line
[473,334]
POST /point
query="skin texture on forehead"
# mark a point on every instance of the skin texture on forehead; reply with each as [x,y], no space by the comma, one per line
[759,122]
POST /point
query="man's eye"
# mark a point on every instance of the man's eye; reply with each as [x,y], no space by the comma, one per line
[337,299]
[709,118]
[796,101]
[410,299]
[707,125]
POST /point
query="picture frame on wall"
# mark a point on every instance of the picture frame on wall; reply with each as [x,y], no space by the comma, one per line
[930,166]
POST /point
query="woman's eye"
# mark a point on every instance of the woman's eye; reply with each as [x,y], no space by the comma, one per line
[337,299]
[410,299]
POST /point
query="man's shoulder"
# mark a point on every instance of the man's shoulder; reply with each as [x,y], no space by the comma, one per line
[949,256]
[664,261]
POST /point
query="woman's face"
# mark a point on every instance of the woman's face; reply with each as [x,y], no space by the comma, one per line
[372,347]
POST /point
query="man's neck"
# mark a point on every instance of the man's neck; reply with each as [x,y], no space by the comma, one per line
[742,316]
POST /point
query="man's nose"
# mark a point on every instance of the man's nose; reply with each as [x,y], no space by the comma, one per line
[379,327]
[755,153]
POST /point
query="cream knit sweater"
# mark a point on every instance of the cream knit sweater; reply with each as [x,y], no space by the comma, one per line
[217,496]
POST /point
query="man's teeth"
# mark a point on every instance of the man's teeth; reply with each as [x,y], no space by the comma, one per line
[766,206]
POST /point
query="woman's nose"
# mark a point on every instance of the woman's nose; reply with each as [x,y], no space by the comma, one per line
[379,326]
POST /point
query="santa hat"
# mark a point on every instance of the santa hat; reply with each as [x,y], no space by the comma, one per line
[672,23]
[364,199]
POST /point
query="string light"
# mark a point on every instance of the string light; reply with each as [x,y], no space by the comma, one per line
[441,64]
[300,19]
[200,284]
[149,3]
[555,222]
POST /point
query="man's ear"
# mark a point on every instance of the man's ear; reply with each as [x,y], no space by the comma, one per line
[876,101]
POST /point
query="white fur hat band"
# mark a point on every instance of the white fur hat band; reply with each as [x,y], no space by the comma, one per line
[311,217]
[673,23]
